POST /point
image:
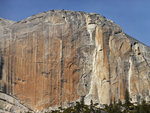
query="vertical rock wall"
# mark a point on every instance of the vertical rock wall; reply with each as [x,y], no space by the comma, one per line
[51,59]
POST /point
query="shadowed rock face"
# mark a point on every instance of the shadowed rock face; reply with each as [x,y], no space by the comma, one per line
[53,58]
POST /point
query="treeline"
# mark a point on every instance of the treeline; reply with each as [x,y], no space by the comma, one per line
[118,107]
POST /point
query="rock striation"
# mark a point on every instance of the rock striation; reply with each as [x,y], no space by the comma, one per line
[53,58]
[9,104]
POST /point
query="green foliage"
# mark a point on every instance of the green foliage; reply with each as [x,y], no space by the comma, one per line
[127,107]
[82,101]
[113,108]
[56,111]
[127,99]
[80,107]
[119,102]
[143,108]
[69,110]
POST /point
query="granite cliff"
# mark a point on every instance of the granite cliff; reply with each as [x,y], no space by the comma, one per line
[53,58]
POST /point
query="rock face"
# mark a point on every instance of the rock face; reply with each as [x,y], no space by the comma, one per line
[52,59]
[9,104]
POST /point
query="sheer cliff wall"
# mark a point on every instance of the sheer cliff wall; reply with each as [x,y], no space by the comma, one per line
[53,58]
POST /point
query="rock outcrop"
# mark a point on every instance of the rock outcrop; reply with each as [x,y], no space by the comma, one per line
[9,104]
[52,59]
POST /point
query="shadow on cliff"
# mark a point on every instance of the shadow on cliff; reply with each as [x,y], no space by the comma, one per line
[2,86]
[1,67]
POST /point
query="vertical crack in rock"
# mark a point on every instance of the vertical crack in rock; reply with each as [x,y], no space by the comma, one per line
[8,69]
[1,59]
[130,73]
[61,68]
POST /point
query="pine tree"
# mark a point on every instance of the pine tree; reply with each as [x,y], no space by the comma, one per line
[119,102]
[142,107]
[91,106]
[82,101]
[127,99]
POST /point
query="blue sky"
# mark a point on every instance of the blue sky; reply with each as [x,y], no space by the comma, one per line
[132,15]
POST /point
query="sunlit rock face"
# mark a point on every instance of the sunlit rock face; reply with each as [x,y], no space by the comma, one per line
[52,59]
